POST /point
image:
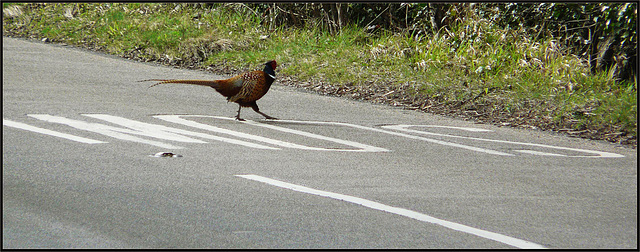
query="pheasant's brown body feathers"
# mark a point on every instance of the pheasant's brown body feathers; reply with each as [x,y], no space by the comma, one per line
[244,89]
[253,86]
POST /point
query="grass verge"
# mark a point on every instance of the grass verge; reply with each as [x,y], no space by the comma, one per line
[476,70]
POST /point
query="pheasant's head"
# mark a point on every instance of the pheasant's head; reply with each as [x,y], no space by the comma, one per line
[272,64]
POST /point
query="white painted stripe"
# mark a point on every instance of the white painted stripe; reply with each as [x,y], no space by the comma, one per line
[429,140]
[361,147]
[28,127]
[178,120]
[459,128]
[598,153]
[399,211]
[403,135]
[169,133]
[119,133]
[539,153]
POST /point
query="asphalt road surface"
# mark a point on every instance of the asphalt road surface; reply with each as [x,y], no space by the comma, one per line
[80,134]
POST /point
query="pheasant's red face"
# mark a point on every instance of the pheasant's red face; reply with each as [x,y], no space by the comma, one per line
[273,64]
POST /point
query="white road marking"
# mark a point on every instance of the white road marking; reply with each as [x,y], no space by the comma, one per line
[174,134]
[165,132]
[178,120]
[459,128]
[28,127]
[361,147]
[138,128]
[399,211]
[407,136]
[119,133]
[403,127]
[539,153]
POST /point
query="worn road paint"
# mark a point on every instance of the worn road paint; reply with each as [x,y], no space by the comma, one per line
[174,134]
[399,211]
[28,127]
[539,153]
[405,135]
[138,128]
[178,120]
[115,132]
[164,132]
[360,147]
[403,127]
[454,127]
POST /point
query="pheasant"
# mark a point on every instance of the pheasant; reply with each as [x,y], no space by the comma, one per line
[244,89]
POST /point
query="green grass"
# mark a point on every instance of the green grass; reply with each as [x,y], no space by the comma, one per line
[474,66]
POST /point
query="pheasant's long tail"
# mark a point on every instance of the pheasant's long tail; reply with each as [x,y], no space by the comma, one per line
[208,83]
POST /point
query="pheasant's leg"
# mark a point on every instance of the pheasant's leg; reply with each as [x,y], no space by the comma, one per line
[255,108]
[238,115]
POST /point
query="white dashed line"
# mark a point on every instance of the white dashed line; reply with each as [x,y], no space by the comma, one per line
[399,211]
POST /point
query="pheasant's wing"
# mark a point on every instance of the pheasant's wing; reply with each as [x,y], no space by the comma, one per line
[253,87]
[230,87]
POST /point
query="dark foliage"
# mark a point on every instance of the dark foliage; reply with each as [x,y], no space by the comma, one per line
[602,33]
